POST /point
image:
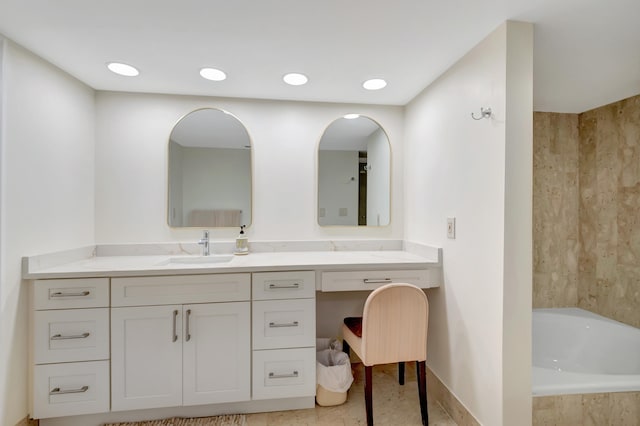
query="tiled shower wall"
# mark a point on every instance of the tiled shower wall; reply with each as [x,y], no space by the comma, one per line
[609,277]
[586,212]
[555,210]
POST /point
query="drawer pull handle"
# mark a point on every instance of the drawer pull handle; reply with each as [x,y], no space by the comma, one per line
[283,376]
[286,324]
[377,280]
[74,336]
[188,333]
[58,391]
[78,294]
[175,319]
[275,286]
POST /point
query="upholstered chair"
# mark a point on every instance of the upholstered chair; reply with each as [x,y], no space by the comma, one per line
[392,329]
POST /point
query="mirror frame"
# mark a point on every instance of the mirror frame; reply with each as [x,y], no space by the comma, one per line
[251,169]
[317,153]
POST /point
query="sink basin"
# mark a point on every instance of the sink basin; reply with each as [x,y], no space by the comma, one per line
[197,260]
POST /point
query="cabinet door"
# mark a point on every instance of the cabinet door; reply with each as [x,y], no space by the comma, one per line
[146,357]
[216,352]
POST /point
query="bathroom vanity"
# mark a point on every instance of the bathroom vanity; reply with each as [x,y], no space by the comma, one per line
[115,336]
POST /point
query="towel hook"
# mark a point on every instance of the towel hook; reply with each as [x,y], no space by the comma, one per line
[484,113]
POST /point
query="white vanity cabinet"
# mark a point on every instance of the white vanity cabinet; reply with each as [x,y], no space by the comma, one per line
[193,351]
[69,347]
[284,334]
[119,336]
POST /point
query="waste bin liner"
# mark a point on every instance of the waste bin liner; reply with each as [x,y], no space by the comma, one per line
[333,373]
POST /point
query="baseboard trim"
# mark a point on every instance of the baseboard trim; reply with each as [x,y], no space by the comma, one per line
[27,422]
[449,403]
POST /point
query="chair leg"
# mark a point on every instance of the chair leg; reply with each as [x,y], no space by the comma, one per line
[401,373]
[368,393]
[422,390]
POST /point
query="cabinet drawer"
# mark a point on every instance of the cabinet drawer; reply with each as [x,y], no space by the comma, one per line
[70,389]
[179,289]
[284,373]
[71,293]
[284,323]
[71,335]
[283,285]
[369,280]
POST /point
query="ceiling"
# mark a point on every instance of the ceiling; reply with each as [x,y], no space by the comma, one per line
[586,52]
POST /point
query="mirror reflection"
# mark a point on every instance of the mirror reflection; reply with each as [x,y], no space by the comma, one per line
[209,171]
[354,173]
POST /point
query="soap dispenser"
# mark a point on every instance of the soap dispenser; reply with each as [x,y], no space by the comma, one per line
[242,242]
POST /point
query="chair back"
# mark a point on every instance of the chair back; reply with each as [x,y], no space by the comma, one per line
[394,325]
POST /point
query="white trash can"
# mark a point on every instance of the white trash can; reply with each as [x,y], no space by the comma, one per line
[333,374]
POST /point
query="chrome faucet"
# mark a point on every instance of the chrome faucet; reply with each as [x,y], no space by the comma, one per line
[204,242]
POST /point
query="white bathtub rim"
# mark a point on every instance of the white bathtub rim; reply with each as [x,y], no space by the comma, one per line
[545,381]
[583,313]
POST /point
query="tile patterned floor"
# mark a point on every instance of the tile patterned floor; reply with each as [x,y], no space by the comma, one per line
[393,405]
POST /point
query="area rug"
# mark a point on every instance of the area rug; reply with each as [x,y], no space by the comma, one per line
[227,420]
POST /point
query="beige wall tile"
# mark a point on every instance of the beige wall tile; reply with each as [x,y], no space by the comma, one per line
[560,410]
[595,409]
[555,210]
[439,392]
[624,409]
[609,182]
[600,409]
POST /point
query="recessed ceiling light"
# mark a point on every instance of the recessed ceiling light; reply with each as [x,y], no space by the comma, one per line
[295,79]
[213,74]
[374,84]
[351,116]
[123,69]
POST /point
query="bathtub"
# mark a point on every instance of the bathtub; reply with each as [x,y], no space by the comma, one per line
[578,352]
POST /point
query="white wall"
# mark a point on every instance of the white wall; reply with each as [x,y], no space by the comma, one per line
[518,239]
[132,135]
[47,190]
[335,171]
[378,179]
[456,167]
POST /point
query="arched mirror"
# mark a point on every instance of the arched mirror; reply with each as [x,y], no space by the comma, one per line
[209,171]
[354,173]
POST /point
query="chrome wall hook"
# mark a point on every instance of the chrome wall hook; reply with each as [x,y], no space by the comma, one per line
[484,113]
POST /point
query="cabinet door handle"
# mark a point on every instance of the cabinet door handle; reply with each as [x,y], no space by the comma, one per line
[275,286]
[175,320]
[58,391]
[188,334]
[283,376]
[73,336]
[77,294]
[286,324]
[377,280]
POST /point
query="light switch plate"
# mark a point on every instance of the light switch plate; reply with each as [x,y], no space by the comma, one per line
[451,227]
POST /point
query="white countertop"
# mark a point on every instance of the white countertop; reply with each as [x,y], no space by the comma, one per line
[92,265]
